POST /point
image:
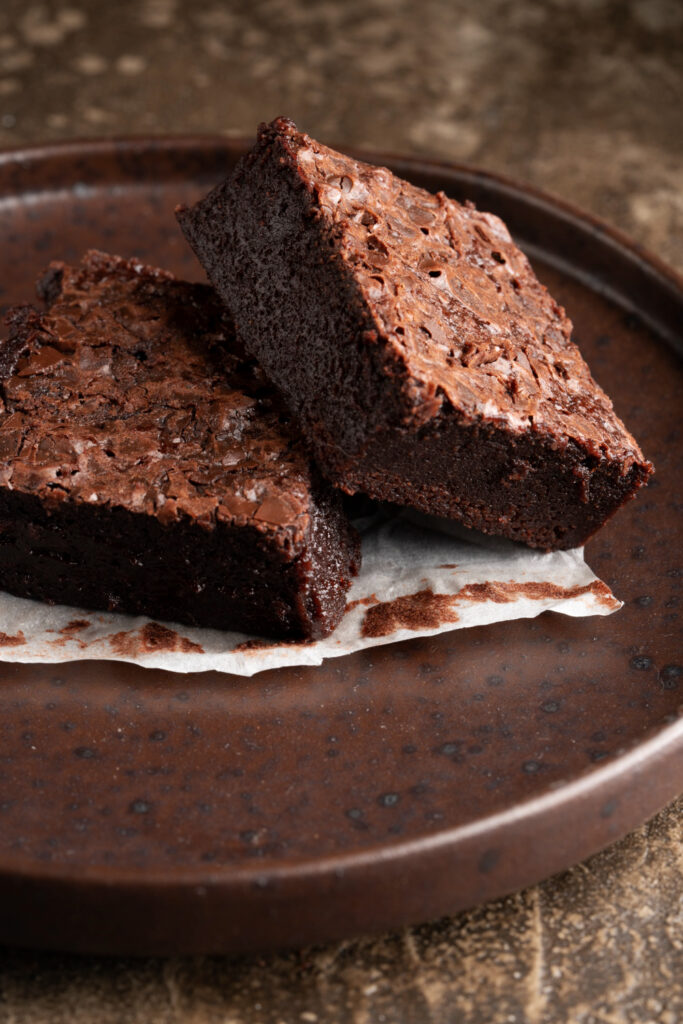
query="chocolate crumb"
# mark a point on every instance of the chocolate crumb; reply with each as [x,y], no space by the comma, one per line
[255,645]
[75,626]
[371,599]
[252,645]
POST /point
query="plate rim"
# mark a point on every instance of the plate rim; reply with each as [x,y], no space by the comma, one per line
[661,742]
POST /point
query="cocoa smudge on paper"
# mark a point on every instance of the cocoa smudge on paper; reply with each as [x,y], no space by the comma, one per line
[7,640]
[427,610]
[423,610]
[151,637]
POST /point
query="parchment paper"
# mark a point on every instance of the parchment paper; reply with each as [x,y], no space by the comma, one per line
[419,577]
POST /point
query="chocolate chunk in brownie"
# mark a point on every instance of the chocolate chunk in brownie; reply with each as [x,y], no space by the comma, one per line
[146,467]
[423,359]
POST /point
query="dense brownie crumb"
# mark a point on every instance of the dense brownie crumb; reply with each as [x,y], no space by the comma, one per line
[425,362]
[146,467]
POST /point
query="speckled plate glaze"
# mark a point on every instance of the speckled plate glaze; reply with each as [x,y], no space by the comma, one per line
[142,812]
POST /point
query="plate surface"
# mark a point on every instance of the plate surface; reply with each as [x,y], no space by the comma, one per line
[142,812]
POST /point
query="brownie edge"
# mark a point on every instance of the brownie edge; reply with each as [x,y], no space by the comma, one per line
[146,467]
[423,359]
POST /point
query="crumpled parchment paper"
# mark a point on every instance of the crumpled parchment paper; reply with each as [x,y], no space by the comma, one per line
[419,577]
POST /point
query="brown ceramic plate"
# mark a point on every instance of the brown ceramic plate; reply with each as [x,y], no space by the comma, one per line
[142,812]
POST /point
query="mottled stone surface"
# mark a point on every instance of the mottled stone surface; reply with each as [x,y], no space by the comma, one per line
[580,97]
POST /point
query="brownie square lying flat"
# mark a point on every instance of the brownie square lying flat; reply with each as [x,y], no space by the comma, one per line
[425,362]
[146,467]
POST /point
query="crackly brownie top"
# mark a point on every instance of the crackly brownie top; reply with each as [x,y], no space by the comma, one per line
[131,391]
[457,302]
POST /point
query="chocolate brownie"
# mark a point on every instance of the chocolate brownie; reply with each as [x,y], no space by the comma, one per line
[425,362]
[146,467]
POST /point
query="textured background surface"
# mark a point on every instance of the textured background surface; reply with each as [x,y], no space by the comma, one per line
[581,98]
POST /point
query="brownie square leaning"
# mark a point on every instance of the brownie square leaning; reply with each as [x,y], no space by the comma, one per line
[147,468]
[423,359]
